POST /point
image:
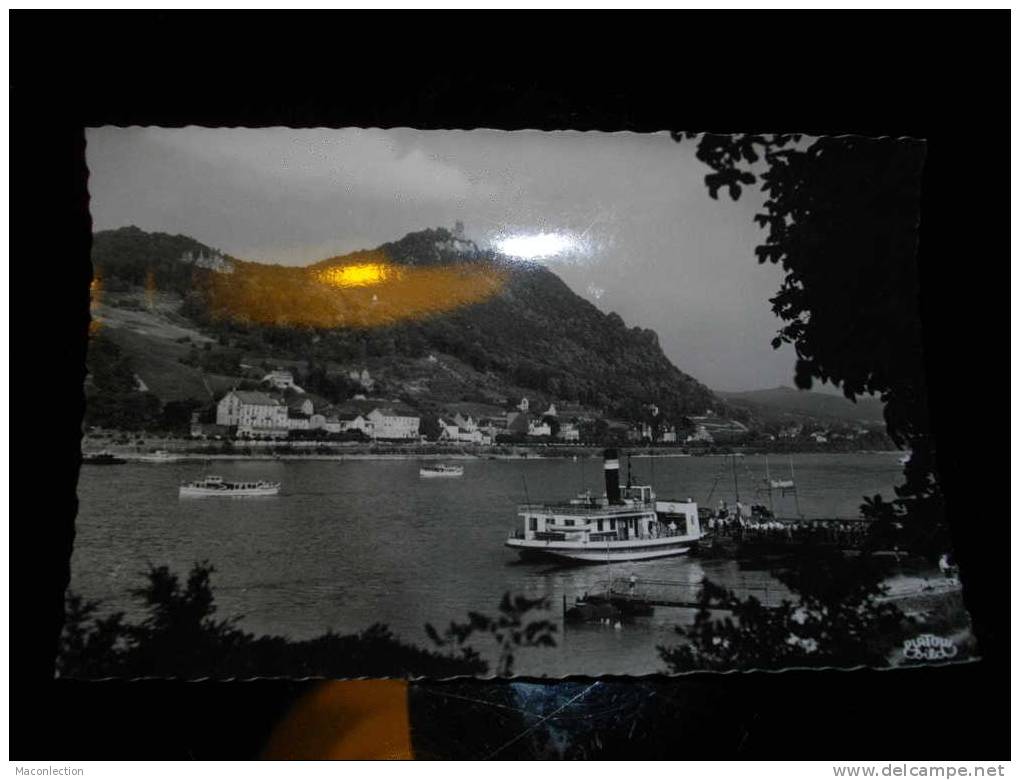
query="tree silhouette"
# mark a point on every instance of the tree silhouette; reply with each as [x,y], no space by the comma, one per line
[836,621]
[181,638]
[842,216]
[510,630]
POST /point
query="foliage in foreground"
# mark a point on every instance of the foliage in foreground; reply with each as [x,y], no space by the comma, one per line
[836,620]
[841,217]
[181,638]
[510,630]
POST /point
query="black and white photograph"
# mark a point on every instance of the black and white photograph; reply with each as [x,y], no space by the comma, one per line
[398,403]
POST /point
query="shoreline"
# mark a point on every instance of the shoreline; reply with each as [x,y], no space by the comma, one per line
[141,449]
[594,454]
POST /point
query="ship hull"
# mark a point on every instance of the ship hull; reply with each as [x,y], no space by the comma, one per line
[581,553]
[187,492]
[439,475]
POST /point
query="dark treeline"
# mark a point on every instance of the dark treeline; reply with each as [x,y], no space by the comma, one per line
[181,637]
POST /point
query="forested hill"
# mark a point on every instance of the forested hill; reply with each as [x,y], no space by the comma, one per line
[785,404]
[514,325]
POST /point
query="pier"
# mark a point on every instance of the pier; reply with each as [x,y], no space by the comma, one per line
[638,598]
[681,595]
[611,601]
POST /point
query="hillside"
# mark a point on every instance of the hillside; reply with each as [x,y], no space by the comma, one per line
[434,319]
[785,404]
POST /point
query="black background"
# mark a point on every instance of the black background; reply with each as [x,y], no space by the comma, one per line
[942,76]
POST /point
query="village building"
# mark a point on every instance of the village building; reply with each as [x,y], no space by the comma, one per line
[300,404]
[253,413]
[701,434]
[352,421]
[465,423]
[298,421]
[666,433]
[468,433]
[363,378]
[281,380]
[391,423]
[448,431]
[569,432]
[492,427]
[539,428]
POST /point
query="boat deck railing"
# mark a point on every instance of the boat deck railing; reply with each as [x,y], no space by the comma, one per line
[585,509]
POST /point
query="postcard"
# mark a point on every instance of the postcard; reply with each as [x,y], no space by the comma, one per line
[368,403]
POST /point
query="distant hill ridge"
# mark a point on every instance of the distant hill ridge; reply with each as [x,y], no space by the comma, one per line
[786,402]
[529,333]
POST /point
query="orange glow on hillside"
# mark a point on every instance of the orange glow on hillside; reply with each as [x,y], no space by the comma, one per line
[361,290]
[357,275]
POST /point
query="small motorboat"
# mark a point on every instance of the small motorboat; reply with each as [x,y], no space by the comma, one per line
[217,486]
[159,456]
[441,470]
[102,459]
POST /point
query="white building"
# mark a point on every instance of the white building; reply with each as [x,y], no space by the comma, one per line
[448,431]
[539,428]
[388,423]
[362,377]
[354,422]
[252,413]
[462,430]
[569,432]
[465,423]
[281,380]
[701,434]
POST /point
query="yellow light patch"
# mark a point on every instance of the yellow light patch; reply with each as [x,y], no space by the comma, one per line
[363,290]
[357,275]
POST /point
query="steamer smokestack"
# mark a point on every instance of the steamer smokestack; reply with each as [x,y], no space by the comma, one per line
[611,464]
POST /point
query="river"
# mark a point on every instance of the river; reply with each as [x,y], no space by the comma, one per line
[351,543]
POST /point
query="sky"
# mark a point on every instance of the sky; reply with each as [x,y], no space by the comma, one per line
[623,218]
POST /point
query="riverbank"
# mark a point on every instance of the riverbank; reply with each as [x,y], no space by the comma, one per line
[200,450]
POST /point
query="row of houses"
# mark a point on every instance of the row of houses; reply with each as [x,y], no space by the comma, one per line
[257,414]
[284,407]
[484,431]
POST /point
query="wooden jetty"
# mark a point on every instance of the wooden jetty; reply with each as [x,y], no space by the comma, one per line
[612,603]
